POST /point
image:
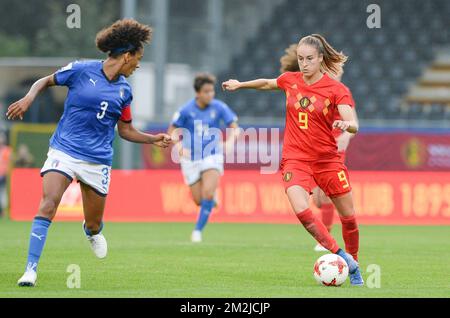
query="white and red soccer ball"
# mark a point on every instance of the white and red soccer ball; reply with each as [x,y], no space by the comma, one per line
[330,270]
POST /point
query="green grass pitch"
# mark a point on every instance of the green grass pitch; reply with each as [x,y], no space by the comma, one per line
[235,260]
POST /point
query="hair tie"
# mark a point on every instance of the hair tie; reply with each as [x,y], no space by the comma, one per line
[129,47]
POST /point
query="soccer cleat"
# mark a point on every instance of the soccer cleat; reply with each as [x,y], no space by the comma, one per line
[196,236]
[356,278]
[98,245]
[320,248]
[352,264]
[353,268]
[28,279]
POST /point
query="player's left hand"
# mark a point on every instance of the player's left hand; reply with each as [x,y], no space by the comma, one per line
[341,124]
[162,140]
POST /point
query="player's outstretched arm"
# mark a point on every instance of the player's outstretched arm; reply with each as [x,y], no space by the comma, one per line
[18,108]
[128,132]
[259,84]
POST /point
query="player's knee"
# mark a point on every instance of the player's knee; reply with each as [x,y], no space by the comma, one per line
[300,207]
[208,195]
[317,202]
[48,207]
[350,211]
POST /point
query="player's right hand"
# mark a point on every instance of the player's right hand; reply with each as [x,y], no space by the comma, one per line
[162,140]
[17,109]
[231,85]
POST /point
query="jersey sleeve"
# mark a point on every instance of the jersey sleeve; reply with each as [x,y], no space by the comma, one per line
[179,119]
[228,115]
[282,81]
[344,96]
[126,110]
[126,114]
[68,74]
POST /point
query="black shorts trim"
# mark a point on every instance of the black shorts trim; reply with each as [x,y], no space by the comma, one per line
[93,189]
[199,179]
[58,171]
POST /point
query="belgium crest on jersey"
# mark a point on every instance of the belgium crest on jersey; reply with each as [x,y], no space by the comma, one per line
[304,102]
[287,176]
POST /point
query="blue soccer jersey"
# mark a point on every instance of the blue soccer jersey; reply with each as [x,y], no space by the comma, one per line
[93,106]
[198,123]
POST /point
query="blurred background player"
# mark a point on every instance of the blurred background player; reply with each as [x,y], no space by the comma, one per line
[98,99]
[289,63]
[201,156]
[309,151]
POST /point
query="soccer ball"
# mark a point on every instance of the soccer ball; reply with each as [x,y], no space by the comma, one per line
[330,270]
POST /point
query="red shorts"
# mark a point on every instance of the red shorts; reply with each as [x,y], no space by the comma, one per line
[330,175]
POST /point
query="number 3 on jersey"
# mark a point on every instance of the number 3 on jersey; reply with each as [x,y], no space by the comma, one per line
[104,107]
[303,120]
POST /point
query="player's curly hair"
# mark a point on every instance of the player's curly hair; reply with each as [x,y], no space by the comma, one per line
[289,61]
[126,35]
[333,61]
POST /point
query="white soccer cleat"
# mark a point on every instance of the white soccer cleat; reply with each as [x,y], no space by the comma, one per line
[196,236]
[98,245]
[320,248]
[28,279]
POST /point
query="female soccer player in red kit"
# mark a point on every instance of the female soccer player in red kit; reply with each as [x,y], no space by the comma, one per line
[309,152]
[289,63]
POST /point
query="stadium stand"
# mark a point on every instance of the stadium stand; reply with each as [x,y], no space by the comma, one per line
[384,64]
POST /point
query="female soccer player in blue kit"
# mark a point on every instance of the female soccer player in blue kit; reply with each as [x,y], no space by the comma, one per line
[201,155]
[99,97]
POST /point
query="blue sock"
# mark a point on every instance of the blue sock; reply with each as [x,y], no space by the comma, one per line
[342,254]
[205,211]
[38,236]
[88,233]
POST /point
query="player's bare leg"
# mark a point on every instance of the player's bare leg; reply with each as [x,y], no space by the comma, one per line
[196,191]
[210,181]
[299,199]
[93,208]
[324,203]
[350,231]
[54,186]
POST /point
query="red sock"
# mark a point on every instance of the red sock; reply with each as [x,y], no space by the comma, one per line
[350,233]
[327,215]
[316,228]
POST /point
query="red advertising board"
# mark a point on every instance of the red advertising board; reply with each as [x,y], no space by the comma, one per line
[399,151]
[244,196]
[385,151]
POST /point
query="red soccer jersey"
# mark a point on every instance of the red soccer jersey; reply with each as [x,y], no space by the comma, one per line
[310,113]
